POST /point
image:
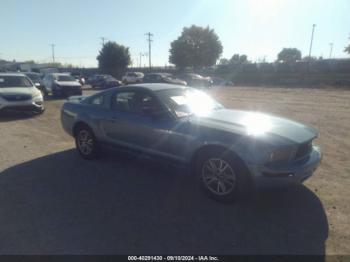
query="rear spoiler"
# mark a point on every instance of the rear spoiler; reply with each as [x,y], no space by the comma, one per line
[76,99]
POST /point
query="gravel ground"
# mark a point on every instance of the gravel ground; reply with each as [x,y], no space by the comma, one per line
[53,202]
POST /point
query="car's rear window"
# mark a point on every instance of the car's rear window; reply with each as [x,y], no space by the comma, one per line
[14,81]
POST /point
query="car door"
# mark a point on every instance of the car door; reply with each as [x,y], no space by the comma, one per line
[134,124]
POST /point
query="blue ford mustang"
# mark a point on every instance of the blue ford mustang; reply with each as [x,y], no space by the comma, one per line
[229,150]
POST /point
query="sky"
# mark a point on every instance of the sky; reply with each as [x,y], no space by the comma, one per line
[257,28]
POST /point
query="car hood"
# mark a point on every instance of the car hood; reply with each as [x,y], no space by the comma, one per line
[259,125]
[176,81]
[19,90]
[67,83]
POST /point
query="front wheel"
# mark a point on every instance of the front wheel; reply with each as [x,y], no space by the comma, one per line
[220,175]
[86,143]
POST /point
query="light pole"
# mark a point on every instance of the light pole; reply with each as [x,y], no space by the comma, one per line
[53,52]
[312,38]
[149,39]
[141,55]
[330,52]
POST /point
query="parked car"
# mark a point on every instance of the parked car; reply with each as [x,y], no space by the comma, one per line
[196,80]
[79,77]
[133,77]
[90,79]
[163,78]
[227,150]
[18,92]
[61,85]
[36,79]
[106,81]
[94,79]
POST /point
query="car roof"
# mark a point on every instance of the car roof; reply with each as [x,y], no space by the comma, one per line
[153,86]
[12,74]
[60,74]
[162,74]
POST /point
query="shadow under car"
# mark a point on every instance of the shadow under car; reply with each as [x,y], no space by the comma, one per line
[62,204]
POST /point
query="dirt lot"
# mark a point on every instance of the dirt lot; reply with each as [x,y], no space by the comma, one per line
[53,202]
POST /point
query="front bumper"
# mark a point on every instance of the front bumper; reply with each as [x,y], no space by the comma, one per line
[66,92]
[276,175]
[28,105]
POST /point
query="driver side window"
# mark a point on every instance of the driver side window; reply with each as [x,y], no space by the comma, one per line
[136,102]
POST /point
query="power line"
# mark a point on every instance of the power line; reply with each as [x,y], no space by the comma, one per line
[149,39]
[53,52]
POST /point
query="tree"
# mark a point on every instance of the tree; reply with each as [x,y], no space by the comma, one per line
[195,47]
[309,58]
[347,49]
[234,59]
[237,59]
[289,55]
[113,59]
[243,59]
[224,61]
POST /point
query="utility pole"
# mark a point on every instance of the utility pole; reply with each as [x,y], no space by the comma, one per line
[312,38]
[149,39]
[53,52]
[330,52]
[103,40]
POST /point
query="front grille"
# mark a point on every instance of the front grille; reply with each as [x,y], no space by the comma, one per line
[14,98]
[303,150]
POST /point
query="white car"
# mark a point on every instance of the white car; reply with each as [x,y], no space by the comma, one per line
[61,84]
[133,77]
[17,91]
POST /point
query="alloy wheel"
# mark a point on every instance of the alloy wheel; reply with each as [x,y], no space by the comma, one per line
[218,176]
[85,142]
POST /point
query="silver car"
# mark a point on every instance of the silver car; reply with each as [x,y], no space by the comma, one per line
[17,91]
[61,85]
[228,150]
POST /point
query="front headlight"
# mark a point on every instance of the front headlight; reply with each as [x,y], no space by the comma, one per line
[38,96]
[280,154]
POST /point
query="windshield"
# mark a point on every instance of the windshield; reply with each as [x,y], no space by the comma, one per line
[14,81]
[185,102]
[65,78]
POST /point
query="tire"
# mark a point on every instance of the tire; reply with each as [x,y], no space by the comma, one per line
[86,143]
[221,175]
